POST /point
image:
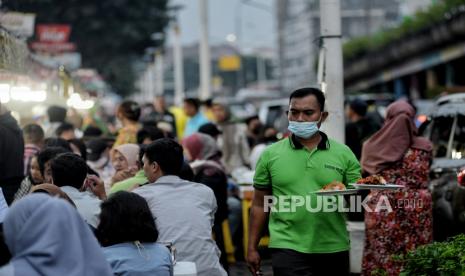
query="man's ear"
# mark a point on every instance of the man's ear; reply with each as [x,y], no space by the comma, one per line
[324,116]
[155,167]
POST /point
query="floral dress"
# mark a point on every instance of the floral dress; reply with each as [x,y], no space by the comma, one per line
[408,225]
[127,135]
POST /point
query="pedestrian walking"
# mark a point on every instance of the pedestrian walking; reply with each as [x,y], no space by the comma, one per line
[302,242]
[398,155]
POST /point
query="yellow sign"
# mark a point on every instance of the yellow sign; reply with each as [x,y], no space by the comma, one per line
[229,63]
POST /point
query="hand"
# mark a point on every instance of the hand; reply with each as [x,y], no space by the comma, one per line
[253,261]
[97,186]
[133,170]
[122,175]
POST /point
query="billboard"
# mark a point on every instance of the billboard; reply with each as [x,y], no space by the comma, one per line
[20,24]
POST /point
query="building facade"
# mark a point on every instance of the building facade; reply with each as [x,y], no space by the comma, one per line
[298,23]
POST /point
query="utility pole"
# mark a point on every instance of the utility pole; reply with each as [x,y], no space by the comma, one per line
[152,78]
[178,67]
[205,66]
[158,71]
[261,71]
[240,71]
[330,21]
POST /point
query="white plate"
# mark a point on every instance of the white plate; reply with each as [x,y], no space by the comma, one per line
[387,186]
[336,192]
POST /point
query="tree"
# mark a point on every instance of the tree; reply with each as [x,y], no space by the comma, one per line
[110,34]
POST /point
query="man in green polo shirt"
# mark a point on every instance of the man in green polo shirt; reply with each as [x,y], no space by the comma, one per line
[305,238]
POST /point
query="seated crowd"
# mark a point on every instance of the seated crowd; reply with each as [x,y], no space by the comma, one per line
[98,206]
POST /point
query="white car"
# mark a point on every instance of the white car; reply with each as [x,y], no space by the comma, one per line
[446,130]
[273,113]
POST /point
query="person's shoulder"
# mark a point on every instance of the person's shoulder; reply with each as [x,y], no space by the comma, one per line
[339,147]
[159,248]
[117,251]
[278,146]
[145,188]
[199,187]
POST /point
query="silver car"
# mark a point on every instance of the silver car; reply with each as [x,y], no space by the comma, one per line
[446,129]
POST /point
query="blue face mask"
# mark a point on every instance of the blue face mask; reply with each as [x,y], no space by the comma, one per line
[303,130]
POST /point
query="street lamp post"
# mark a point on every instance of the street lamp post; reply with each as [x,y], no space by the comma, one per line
[240,72]
[330,17]
[205,66]
[178,67]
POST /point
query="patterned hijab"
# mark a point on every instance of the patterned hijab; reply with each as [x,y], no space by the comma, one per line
[46,236]
[201,146]
[392,141]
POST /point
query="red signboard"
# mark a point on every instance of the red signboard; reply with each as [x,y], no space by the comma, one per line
[53,33]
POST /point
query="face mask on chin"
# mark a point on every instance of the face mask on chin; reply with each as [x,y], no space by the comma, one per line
[304,130]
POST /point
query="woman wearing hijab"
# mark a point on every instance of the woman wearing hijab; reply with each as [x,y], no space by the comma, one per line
[124,159]
[128,233]
[398,155]
[46,236]
[205,157]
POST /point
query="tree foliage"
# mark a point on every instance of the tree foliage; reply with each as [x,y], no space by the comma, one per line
[110,34]
[438,12]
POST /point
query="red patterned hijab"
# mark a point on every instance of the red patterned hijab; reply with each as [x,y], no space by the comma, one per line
[392,141]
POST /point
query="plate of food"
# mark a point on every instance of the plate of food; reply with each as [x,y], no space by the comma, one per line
[375,182]
[335,188]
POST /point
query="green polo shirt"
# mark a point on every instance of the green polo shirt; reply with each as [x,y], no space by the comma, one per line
[127,184]
[292,171]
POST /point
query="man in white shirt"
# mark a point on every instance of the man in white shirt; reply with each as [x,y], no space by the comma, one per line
[184,211]
[69,172]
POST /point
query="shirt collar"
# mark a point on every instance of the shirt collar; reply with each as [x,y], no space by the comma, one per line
[168,179]
[322,145]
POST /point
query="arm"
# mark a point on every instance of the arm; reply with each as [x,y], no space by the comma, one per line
[353,170]
[258,217]
[244,149]
[258,214]
[96,186]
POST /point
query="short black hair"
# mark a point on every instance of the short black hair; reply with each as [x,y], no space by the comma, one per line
[168,154]
[307,91]
[56,114]
[130,110]
[210,129]
[186,172]
[68,169]
[359,106]
[126,217]
[62,128]
[92,131]
[153,133]
[251,118]
[33,133]
[48,154]
[208,102]
[57,142]
[194,102]
[142,149]
[79,143]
